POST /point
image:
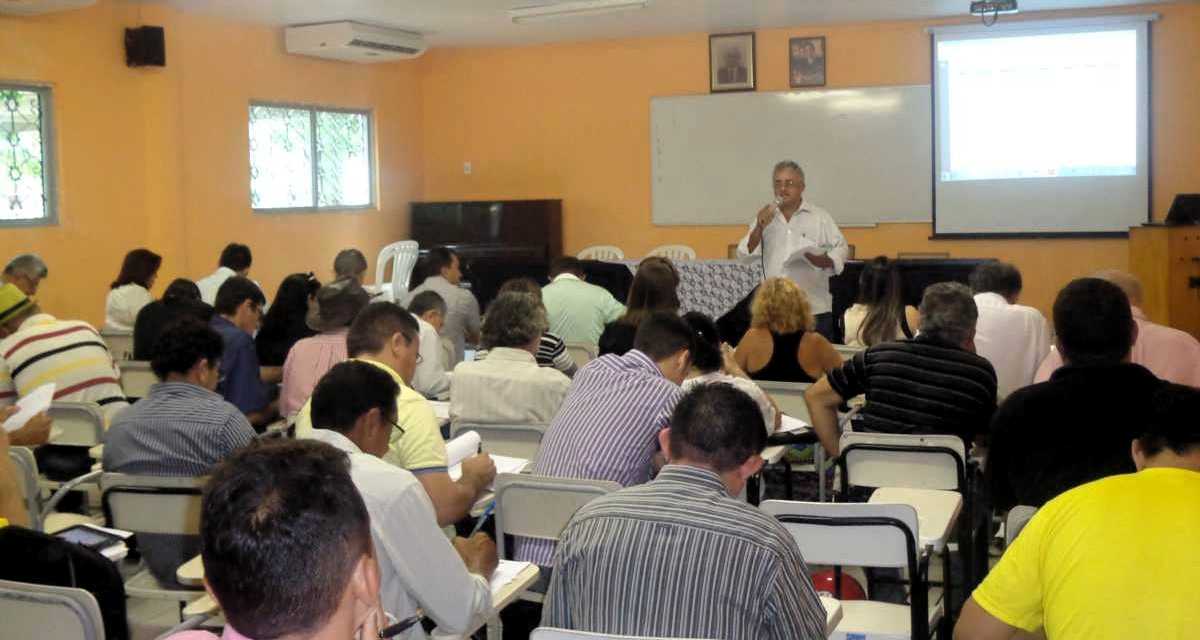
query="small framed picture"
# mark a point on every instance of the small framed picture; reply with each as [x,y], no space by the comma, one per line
[806,61]
[731,62]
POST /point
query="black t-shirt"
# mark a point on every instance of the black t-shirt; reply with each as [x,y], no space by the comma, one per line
[1072,429]
[155,316]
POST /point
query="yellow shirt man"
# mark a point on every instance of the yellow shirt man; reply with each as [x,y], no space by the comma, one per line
[1114,558]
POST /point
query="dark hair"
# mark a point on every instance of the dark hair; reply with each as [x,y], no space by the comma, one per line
[661,335]
[234,291]
[428,300]
[349,263]
[996,277]
[654,288]
[718,425]
[376,324]
[290,305]
[522,285]
[706,342]
[182,344]
[882,291]
[948,312]
[566,264]
[236,256]
[1093,322]
[514,319]
[1172,420]
[138,267]
[437,259]
[281,528]
[181,289]
[349,390]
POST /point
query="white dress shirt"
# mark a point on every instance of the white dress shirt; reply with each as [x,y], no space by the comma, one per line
[506,387]
[418,566]
[123,304]
[430,378]
[745,385]
[211,283]
[462,313]
[810,230]
[1013,337]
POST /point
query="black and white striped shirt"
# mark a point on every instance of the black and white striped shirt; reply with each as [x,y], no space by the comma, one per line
[678,557]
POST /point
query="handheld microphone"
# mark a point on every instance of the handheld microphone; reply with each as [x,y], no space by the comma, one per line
[762,254]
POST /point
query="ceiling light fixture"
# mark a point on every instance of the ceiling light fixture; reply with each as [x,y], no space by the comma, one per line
[573,9]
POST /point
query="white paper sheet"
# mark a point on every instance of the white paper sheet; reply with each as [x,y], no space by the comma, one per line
[788,424]
[441,410]
[30,405]
[461,448]
[504,464]
[505,573]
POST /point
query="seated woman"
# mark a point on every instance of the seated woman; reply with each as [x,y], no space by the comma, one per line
[131,290]
[880,314]
[551,351]
[655,288]
[781,344]
[713,363]
[285,322]
[182,298]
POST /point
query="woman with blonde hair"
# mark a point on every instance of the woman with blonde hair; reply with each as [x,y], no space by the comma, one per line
[781,343]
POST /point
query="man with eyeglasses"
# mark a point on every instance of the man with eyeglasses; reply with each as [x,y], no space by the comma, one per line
[355,411]
[386,336]
[794,238]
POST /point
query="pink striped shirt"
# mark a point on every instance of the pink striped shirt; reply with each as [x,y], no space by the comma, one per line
[1170,354]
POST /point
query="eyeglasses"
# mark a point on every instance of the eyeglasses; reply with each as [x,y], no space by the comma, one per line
[420,359]
[398,427]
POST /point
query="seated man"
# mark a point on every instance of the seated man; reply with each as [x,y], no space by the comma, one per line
[604,580]
[350,264]
[287,546]
[1113,558]
[607,428]
[508,386]
[1013,337]
[385,336]
[577,310]
[462,309]
[238,315]
[26,270]
[182,427]
[931,384]
[180,300]
[431,378]
[1075,428]
[1168,353]
[354,409]
[235,260]
[338,303]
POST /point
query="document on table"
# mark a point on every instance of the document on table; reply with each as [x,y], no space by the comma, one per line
[788,424]
[30,405]
[505,573]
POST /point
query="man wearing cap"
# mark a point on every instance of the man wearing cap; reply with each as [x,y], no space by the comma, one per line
[337,305]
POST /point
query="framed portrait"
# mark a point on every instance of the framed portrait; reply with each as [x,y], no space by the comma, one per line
[731,62]
[806,62]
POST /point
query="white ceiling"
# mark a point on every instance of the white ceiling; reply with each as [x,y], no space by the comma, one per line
[486,22]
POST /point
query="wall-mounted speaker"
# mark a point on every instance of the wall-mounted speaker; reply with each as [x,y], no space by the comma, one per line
[145,47]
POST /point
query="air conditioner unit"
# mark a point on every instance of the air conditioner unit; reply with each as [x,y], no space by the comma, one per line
[34,7]
[353,42]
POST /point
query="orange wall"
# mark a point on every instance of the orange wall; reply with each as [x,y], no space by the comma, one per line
[571,121]
[159,157]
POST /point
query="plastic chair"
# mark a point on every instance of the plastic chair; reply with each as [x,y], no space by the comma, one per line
[41,514]
[846,351]
[541,506]
[673,252]
[582,353]
[82,423]
[403,258]
[513,440]
[790,398]
[552,633]
[41,611]
[606,252]
[136,378]
[120,343]
[865,535]
[1015,522]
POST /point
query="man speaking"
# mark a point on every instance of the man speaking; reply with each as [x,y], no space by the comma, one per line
[796,239]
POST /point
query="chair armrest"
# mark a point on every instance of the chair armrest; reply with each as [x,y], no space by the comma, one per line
[66,488]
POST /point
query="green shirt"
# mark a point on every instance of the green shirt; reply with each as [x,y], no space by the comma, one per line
[577,310]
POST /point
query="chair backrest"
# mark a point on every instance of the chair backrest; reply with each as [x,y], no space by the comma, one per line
[1015,521]
[81,423]
[789,396]
[858,534]
[541,506]
[902,460]
[26,469]
[403,258]
[120,343]
[552,633]
[582,353]
[673,252]
[152,504]
[847,351]
[136,378]
[601,252]
[514,440]
[40,611]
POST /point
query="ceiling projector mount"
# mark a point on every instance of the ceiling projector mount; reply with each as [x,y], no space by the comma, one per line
[992,9]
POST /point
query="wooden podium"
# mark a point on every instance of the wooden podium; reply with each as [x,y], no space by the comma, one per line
[1167,261]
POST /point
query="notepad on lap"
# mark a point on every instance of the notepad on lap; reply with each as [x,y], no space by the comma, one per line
[30,405]
[506,572]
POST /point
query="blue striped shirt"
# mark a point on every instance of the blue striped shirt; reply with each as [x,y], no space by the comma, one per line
[607,429]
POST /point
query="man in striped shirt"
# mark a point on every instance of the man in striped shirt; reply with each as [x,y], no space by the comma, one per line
[680,556]
[607,428]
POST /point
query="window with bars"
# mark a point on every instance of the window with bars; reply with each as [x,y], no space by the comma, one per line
[26,166]
[306,158]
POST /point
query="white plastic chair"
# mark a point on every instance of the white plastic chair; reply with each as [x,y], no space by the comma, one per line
[902,460]
[673,252]
[120,343]
[847,351]
[42,611]
[1015,522]
[865,535]
[41,514]
[513,440]
[136,378]
[81,423]
[552,633]
[605,252]
[403,258]
[582,353]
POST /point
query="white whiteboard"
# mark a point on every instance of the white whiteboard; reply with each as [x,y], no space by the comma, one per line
[866,154]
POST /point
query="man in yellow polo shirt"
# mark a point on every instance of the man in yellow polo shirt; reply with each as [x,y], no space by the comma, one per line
[387,336]
[1114,558]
